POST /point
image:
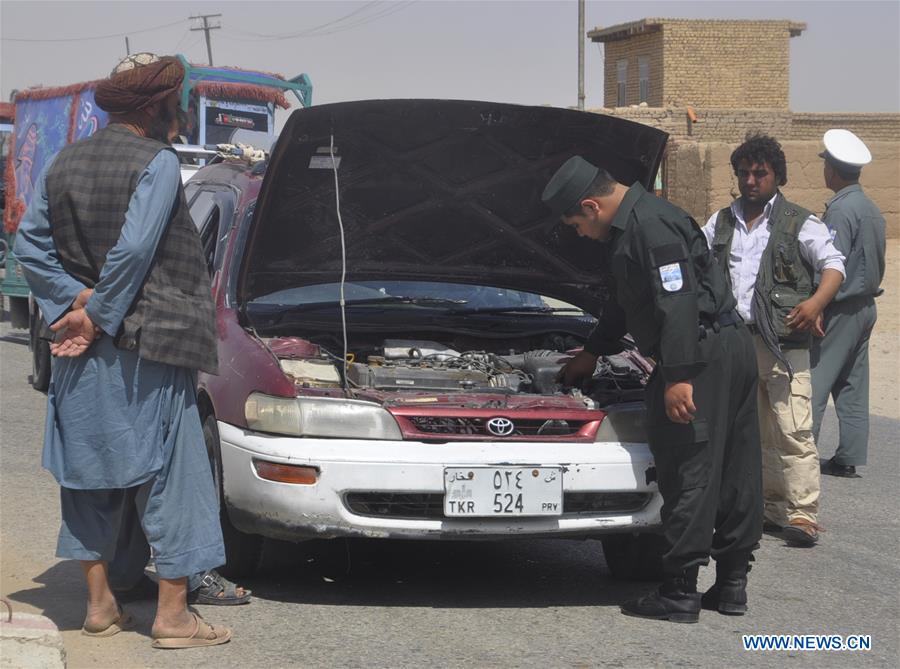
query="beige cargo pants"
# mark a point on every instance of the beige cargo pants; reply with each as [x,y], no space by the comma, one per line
[790,460]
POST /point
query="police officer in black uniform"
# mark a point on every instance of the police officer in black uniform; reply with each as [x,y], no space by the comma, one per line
[671,296]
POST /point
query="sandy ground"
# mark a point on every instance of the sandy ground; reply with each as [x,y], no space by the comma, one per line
[884,350]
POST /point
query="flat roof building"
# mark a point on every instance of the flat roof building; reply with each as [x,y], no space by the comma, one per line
[738,64]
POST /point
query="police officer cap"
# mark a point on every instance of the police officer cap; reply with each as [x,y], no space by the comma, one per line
[569,185]
[845,149]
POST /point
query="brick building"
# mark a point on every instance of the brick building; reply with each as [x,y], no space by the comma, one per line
[713,63]
[708,83]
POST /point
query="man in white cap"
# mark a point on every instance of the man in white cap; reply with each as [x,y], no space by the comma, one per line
[840,359]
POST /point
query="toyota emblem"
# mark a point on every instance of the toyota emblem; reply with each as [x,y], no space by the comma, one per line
[500,427]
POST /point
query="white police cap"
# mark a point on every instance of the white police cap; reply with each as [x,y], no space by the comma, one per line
[842,146]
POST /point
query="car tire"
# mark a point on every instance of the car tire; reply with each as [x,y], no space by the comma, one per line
[242,550]
[40,357]
[634,557]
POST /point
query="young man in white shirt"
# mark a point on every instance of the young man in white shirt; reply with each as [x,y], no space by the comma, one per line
[772,251]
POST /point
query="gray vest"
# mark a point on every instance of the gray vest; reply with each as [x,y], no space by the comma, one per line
[784,279]
[90,184]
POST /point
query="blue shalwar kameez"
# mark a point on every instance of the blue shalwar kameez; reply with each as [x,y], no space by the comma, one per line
[123,436]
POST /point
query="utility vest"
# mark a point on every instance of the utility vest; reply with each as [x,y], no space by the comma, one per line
[90,184]
[784,279]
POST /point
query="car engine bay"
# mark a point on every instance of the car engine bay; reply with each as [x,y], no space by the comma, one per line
[427,366]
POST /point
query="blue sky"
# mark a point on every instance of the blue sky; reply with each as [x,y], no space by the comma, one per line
[515,51]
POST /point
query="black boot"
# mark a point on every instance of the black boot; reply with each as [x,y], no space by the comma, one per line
[729,593]
[677,600]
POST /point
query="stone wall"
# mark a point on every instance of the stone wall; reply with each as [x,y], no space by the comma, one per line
[686,177]
[871,127]
[732,125]
[719,63]
[699,177]
[715,123]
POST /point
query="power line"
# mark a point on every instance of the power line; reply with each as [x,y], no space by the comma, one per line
[363,20]
[85,39]
[190,47]
[184,37]
[206,28]
[397,7]
[581,38]
[314,28]
[315,32]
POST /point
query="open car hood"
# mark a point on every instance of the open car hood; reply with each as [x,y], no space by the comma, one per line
[435,190]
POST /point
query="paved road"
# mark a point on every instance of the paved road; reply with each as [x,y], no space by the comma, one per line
[518,603]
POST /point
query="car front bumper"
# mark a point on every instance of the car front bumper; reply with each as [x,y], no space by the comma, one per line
[352,466]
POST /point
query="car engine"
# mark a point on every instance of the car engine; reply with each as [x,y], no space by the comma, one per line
[428,366]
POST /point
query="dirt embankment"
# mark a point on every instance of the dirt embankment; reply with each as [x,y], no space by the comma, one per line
[884,350]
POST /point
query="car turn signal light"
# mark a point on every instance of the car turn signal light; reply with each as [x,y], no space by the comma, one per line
[275,471]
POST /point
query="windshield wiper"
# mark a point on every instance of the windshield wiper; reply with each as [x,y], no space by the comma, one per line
[526,310]
[387,299]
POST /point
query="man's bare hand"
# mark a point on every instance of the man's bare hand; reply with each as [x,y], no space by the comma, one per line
[578,369]
[75,332]
[679,399]
[82,298]
[803,317]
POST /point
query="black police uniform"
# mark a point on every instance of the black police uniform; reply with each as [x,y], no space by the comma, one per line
[671,296]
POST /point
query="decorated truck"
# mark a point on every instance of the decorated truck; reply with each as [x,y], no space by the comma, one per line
[7,114]
[223,105]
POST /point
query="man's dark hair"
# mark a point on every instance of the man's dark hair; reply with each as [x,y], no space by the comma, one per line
[759,148]
[602,184]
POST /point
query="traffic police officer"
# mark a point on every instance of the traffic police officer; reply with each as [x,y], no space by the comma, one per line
[840,359]
[670,295]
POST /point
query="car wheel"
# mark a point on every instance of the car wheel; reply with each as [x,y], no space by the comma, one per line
[634,557]
[242,550]
[40,358]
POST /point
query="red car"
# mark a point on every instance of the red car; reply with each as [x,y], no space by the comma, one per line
[394,304]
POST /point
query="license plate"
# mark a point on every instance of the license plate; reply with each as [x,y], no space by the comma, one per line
[502,491]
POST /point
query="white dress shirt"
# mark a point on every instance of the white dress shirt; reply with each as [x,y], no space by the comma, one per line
[748,245]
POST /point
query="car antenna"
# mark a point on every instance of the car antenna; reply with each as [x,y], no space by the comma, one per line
[337,205]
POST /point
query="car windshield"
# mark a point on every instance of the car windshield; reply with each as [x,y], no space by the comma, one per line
[451,296]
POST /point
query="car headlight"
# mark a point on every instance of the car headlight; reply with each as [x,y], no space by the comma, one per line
[319,417]
[625,424]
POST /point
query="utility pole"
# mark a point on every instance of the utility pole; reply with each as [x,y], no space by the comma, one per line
[206,28]
[581,55]
[127,46]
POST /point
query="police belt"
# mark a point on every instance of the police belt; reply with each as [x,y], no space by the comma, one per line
[717,322]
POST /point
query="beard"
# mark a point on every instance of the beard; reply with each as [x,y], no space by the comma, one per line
[161,125]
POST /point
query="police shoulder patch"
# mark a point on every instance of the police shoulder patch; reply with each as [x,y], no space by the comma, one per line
[671,277]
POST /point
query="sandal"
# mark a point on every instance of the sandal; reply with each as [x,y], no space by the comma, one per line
[204,635]
[125,621]
[217,590]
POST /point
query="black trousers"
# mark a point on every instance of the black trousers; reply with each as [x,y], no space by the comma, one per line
[709,471]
